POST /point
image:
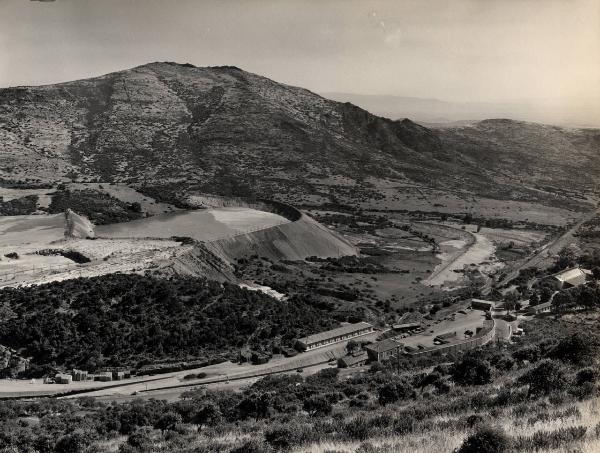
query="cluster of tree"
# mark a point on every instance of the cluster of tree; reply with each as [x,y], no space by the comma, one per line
[99,207]
[353,264]
[19,206]
[130,320]
[585,296]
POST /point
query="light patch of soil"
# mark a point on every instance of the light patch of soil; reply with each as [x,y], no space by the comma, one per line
[28,229]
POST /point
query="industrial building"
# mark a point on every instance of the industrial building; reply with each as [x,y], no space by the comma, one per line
[353,360]
[79,375]
[335,335]
[62,378]
[571,277]
[540,308]
[407,327]
[384,349]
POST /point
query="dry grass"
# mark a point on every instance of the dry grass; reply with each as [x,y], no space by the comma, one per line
[446,440]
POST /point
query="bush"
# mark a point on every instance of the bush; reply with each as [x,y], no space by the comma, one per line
[392,392]
[281,437]
[584,376]
[575,349]
[358,428]
[472,370]
[317,405]
[545,378]
[486,440]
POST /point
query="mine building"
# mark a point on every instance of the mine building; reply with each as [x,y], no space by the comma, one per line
[407,327]
[384,349]
[104,376]
[79,375]
[571,277]
[62,378]
[540,308]
[354,360]
[328,337]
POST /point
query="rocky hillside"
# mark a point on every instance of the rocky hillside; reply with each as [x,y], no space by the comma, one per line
[171,128]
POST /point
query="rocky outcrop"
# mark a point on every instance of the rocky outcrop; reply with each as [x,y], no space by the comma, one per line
[78,226]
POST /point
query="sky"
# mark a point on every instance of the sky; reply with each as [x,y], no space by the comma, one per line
[544,52]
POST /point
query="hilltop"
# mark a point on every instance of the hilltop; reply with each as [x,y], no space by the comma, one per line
[172,128]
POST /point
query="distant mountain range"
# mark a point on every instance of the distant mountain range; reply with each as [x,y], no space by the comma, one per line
[175,128]
[436,112]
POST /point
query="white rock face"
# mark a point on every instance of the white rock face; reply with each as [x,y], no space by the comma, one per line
[78,226]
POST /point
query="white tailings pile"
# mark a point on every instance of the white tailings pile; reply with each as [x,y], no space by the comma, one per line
[296,240]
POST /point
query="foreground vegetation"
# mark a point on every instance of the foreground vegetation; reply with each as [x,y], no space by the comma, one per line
[532,395]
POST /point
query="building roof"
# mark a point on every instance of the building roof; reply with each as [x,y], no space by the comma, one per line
[446,335]
[329,334]
[491,303]
[350,360]
[571,276]
[408,325]
[384,345]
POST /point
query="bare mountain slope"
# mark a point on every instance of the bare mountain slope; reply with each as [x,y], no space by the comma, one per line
[173,128]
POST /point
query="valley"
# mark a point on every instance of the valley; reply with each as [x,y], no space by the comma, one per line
[171,238]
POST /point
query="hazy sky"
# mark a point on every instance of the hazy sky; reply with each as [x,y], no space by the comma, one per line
[457,50]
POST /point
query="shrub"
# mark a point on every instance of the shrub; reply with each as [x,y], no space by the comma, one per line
[392,392]
[545,378]
[575,349]
[317,405]
[358,428]
[584,376]
[472,370]
[281,437]
[486,440]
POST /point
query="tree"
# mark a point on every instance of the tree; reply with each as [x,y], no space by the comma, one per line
[209,414]
[596,272]
[486,440]
[587,297]
[352,346]
[566,257]
[546,294]
[75,442]
[392,392]
[168,421]
[576,349]
[255,405]
[561,301]
[534,299]
[548,376]
[472,370]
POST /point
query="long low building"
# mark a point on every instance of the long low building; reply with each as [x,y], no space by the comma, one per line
[328,337]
